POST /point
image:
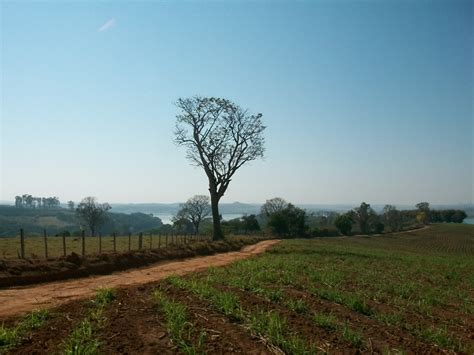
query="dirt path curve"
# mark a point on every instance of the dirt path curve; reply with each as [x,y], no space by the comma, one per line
[19,300]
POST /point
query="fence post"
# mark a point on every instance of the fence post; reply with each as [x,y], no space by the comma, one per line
[166,240]
[115,242]
[159,240]
[83,243]
[45,235]
[129,241]
[100,243]
[64,244]
[22,243]
[140,241]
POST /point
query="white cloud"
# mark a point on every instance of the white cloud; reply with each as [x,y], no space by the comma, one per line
[107,26]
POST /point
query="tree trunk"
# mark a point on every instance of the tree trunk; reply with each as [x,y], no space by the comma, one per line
[216,218]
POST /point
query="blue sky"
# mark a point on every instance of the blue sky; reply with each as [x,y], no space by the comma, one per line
[363,100]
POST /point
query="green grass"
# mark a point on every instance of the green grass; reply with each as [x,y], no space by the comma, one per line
[273,328]
[352,336]
[104,296]
[225,302]
[178,324]
[11,336]
[440,337]
[325,321]
[418,274]
[83,339]
[296,305]
[268,325]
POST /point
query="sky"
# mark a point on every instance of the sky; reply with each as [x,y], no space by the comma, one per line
[363,100]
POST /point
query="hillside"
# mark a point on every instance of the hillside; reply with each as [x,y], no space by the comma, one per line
[58,220]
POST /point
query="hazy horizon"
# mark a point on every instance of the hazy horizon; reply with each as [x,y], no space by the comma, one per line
[314,204]
[363,101]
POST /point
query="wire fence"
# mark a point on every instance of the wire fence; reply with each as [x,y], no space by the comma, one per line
[47,246]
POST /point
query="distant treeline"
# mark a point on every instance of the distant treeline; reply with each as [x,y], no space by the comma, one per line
[284,219]
[29,201]
[365,220]
[276,216]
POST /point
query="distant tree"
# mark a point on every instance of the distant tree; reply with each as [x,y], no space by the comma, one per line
[53,202]
[452,216]
[92,213]
[363,215]
[70,205]
[290,221]
[220,137]
[423,207]
[195,210]
[392,218]
[459,216]
[27,200]
[378,226]
[182,224]
[18,202]
[250,224]
[344,223]
[422,217]
[273,205]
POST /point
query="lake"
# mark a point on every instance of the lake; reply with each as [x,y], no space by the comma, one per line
[166,217]
[469,220]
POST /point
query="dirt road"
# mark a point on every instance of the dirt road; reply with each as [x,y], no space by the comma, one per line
[19,300]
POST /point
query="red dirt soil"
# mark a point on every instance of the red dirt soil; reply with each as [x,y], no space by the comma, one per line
[18,300]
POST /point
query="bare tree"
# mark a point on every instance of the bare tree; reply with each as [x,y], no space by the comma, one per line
[220,137]
[273,206]
[92,213]
[195,210]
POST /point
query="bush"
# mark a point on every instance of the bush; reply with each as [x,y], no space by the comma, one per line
[289,222]
[344,224]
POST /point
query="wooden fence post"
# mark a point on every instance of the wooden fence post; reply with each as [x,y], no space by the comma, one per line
[83,243]
[64,244]
[22,243]
[100,243]
[151,240]
[115,242]
[45,236]
[129,241]
[159,240]
[166,240]
[140,241]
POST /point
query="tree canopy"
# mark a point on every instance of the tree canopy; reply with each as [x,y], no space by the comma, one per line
[220,137]
[195,210]
[92,212]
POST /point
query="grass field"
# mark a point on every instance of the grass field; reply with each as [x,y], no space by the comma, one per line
[410,292]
